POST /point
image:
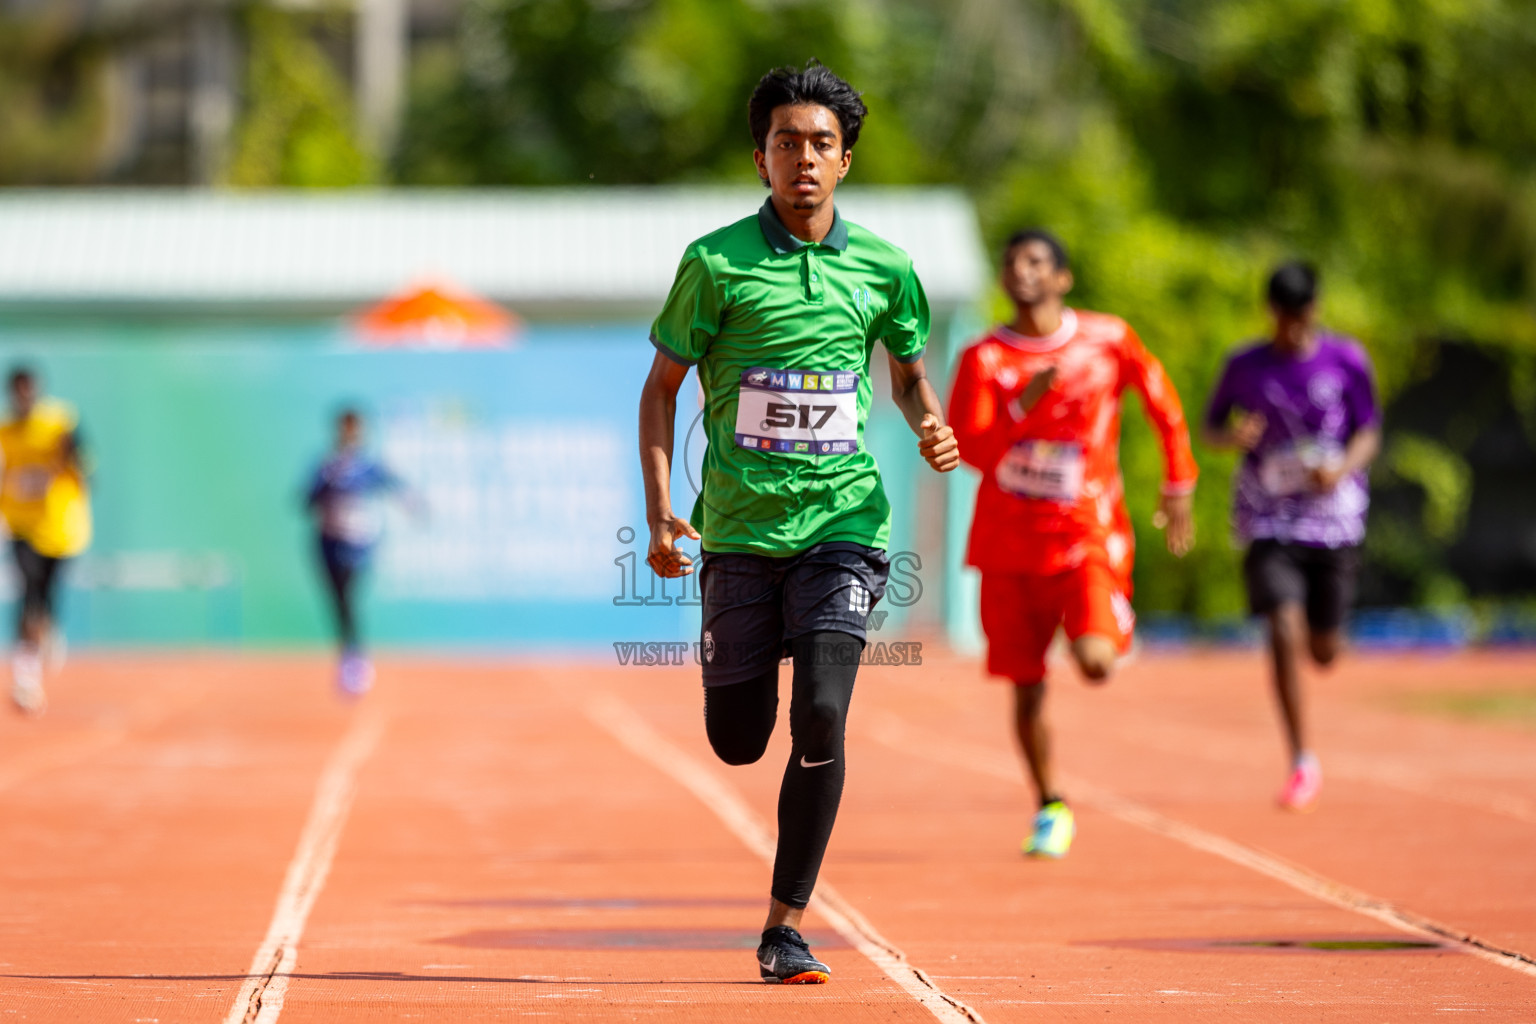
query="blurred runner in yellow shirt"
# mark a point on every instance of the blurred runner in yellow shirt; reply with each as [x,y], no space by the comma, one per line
[44,501]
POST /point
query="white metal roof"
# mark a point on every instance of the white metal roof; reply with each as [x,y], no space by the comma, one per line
[529,247]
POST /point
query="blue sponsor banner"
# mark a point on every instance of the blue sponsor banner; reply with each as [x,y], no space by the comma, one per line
[528,531]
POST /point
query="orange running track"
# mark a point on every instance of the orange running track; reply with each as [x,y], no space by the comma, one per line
[219,838]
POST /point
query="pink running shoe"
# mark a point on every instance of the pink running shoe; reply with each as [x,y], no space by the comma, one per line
[1306,781]
[354,676]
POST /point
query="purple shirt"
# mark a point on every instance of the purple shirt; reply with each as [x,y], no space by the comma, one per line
[1312,406]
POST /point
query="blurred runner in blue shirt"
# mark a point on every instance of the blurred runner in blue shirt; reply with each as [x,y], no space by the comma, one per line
[344,499]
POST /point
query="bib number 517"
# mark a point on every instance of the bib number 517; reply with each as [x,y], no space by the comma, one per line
[782,415]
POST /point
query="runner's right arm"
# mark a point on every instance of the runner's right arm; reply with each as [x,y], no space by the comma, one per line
[316,491]
[1217,431]
[1243,435]
[658,413]
[682,333]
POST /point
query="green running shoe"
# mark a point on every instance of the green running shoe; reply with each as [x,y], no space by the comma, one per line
[1054,829]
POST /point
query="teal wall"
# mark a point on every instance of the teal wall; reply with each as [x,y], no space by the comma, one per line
[202,438]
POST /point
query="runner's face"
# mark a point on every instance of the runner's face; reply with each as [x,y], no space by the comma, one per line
[1293,326]
[23,397]
[349,434]
[805,158]
[1030,274]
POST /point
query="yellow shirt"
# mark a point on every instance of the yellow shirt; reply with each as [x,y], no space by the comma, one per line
[43,501]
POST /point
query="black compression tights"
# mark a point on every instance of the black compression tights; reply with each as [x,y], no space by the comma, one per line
[38,574]
[739,719]
[341,578]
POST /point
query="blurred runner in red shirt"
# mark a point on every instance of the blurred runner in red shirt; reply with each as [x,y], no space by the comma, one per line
[1036,408]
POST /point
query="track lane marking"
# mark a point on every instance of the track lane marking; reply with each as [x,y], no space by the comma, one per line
[640,738]
[893,731]
[260,1000]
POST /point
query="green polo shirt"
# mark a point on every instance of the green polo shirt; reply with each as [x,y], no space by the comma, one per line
[782,332]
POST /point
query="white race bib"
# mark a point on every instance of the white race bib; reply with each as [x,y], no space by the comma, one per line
[32,482]
[798,411]
[1052,470]
[354,519]
[1286,471]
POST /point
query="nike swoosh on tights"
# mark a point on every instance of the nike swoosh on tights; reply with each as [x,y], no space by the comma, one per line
[814,764]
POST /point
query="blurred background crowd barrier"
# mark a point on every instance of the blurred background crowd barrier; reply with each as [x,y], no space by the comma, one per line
[310,160]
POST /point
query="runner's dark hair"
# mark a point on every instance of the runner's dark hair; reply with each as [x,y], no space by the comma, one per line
[20,372]
[1293,286]
[789,86]
[1023,235]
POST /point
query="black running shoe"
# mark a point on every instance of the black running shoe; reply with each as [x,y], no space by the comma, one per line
[785,959]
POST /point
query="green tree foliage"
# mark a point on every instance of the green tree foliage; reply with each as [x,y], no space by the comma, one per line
[1180,147]
[646,91]
[54,102]
[297,128]
[1414,550]
[560,91]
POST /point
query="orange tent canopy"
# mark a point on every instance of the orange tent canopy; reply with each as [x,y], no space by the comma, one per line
[437,316]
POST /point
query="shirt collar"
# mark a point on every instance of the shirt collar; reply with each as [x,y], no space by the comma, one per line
[778,236]
[1057,338]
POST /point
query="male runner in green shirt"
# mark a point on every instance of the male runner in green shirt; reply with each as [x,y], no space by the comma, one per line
[780,313]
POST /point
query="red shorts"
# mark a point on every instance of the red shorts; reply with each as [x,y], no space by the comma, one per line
[1020,613]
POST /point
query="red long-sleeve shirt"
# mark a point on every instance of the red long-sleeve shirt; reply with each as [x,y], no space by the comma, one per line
[1051,493]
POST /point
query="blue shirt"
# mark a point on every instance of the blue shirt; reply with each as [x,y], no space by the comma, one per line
[343,491]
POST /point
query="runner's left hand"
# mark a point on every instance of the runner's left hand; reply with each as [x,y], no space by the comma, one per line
[938,444]
[1176,515]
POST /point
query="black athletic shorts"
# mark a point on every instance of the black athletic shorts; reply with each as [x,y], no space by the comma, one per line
[755,604]
[1321,579]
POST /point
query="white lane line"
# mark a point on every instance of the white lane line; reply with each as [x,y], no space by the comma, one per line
[894,731]
[637,736]
[261,997]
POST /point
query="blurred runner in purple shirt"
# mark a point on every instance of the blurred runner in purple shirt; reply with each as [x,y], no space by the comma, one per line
[1302,407]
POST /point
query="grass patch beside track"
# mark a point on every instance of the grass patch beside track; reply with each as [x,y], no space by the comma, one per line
[1511,707]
